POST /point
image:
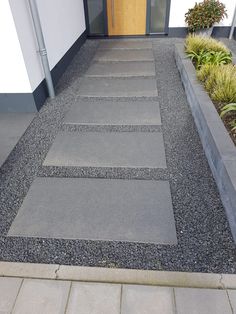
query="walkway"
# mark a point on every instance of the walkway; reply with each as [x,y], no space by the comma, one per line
[113,172]
[107,209]
[27,296]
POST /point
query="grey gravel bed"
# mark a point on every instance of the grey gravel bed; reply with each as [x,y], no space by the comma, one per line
[204,240]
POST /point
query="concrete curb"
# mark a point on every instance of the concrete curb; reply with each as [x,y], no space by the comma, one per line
[112,275]
[218,146]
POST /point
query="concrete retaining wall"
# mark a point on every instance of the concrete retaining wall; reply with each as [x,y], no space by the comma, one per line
[219,148]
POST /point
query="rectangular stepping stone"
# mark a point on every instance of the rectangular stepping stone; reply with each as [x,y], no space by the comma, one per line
[106,112]
[101,209]
[104,149]
[125,44]
[118,87]
[121,69]
[124,55]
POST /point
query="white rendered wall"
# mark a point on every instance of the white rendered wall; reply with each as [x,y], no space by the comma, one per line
[180,7]
[13,73]
[62,22]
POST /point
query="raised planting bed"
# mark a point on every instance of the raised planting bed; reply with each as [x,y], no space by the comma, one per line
[218,146]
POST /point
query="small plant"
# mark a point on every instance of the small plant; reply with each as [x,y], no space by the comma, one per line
[209,57]
[205,14]
[198,43]
[229,109]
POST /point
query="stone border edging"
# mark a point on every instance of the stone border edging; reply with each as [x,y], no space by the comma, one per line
[218,146]
[118,275]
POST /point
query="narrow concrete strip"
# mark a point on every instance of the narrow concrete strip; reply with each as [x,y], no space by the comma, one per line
[94,298]
[118,87]
[87,112]
[117,275]
[42,296]
[124,55]
[107,149]
[125,44]
[121,69]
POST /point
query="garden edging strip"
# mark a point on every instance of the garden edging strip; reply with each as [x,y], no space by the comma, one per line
[218,146]
[118,275]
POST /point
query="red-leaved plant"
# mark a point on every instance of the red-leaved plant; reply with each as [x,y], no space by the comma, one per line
[205,14]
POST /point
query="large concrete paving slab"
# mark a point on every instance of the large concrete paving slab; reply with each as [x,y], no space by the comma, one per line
[101,209]
[121,69]
[104,149]
[124,55]
[118,87]
[125,44]
[12,127]
[107,112]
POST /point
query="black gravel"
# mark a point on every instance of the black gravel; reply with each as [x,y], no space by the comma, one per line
[205,243]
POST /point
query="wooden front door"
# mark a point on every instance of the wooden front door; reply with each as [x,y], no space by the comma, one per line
[126,17]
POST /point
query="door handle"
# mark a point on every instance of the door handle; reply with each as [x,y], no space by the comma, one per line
[112,13]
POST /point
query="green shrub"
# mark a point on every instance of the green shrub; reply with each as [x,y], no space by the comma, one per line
[205,14]
[209,57]
[197,44]
[220,82]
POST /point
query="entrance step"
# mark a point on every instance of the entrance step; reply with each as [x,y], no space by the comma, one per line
[104,149]
[124,55]
[124,44]
[106,112]
[101,209]
[121,69]
[118,87]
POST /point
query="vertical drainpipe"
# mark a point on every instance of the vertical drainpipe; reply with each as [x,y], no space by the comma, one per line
[41,45]
[233,25]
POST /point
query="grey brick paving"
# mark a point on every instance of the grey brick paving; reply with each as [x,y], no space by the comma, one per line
[89,298]
[118,87]
[107,112]
[202,301]
[147,299]
[42,296]
[121,69]
[105,149]
[9,288]
[232,299]
[100,209]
